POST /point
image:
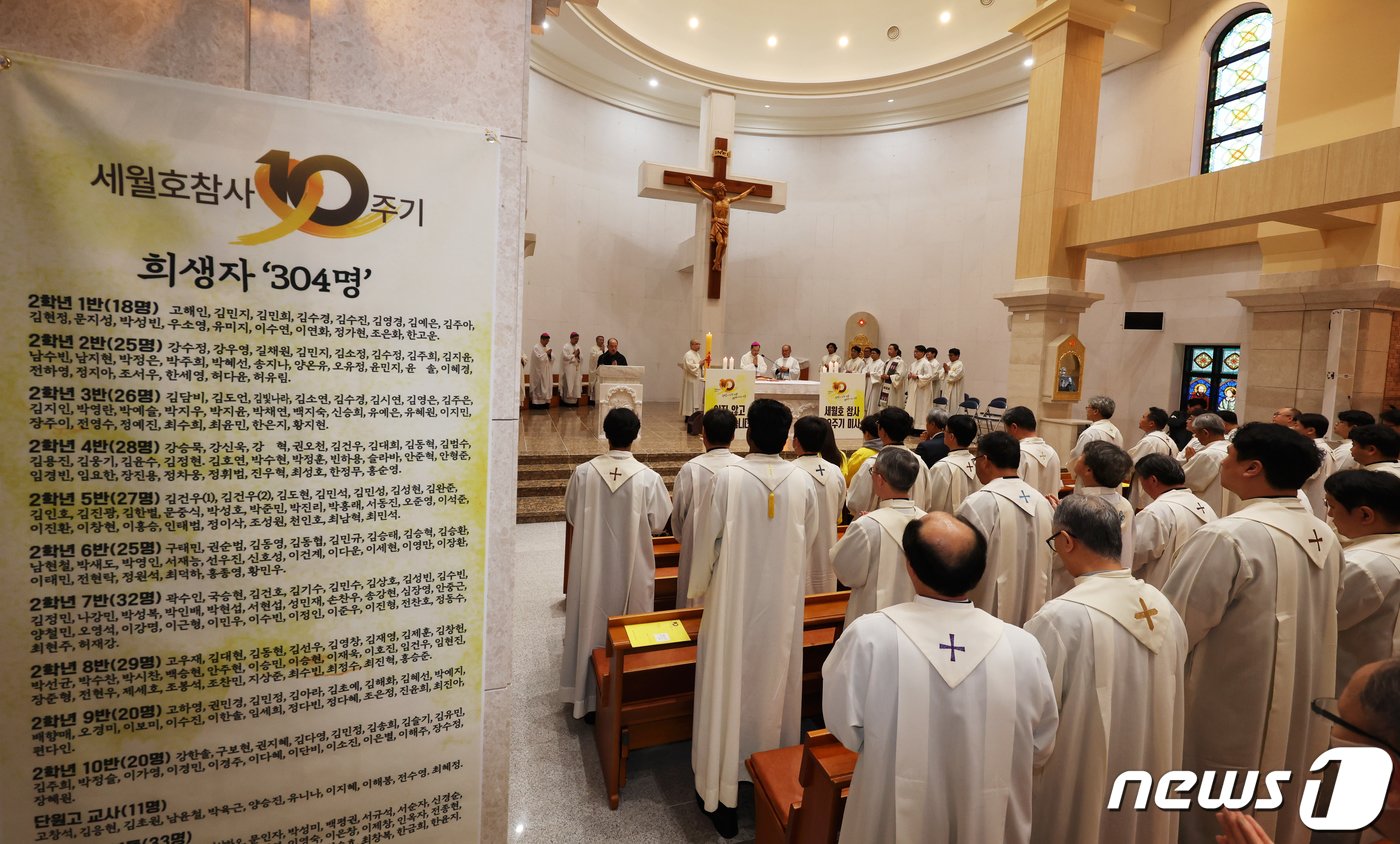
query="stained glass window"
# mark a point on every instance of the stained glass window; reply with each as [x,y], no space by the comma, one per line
[1239,69]
[1212,372]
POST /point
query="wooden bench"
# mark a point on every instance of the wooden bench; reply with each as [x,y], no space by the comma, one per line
[800,792]
[646,696]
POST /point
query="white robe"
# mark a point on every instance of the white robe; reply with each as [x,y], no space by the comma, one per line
[570,374]
[951,711]
[593,355]
[541,374]
[1040,466]
[1153,442]
[897,371]
[794,366]
[920,396]
[953,386]
[1015,519]
[1203,478]
[831,363]
[870,559]
[1313,487]
[874,368]
[951,480]
[692,383]
[694,483]
[1116,651]
[752,572]
[1115,497]
[1258,593]
[1342,459]
[861,498]
[1162,527]
[938,381]
[854,365]
[1389,466]
[1104,430]
[612,570]
[759,368]
[1368,609]
[832,486]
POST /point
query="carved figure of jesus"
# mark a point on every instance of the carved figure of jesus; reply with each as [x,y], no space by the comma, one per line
[720,201]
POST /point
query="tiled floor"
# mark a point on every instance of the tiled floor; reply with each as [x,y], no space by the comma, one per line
[556,784]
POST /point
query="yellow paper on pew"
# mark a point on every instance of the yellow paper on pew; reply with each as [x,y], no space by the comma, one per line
[656,633]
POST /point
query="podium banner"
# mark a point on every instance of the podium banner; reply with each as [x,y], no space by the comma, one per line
[731,389]
[843,400]
[246,363]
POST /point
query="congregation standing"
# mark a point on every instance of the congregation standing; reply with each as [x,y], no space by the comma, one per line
[1010,650]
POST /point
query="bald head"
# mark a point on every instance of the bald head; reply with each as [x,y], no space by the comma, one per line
[946,555]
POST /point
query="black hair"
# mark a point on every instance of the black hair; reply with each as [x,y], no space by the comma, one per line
[1229,416]
[719,425]
[1316,421]
[816,436]
[870,427]
[957,352]
[1157,416]
[1288,457]
[1354,488]
[620,426]
[1162,467]
[1000,448]
[1198,401]
[895,422]
[951,575]
[1391,416]
[1020,416]
[963,428]
[1382,438]
[1356,417]
[769,423]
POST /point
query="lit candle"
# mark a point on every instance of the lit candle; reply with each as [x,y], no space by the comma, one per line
[709,340]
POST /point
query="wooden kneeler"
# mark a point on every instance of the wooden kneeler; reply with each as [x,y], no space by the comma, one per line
[800,792]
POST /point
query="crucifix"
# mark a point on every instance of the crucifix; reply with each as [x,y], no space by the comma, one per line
[704,254]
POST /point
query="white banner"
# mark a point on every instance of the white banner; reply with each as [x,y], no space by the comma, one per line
[244,509]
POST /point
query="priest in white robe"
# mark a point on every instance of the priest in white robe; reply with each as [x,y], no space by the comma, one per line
[855,364]
[1015,520]
[954,478]
[869,558]
[787,367]
[751,550]
[1172,514]
[541,373]
[831,361]
[894,427]
[571,372]
[613,504]
[1116,651]
[1100,471]
[920,380]
[1099,411]
[953,380]
[1365,507]
[934,364]
[1376,448]
[593,354]
[815,443]
[694,484]
[892,392]
[1040,464]
[1346,420]
[950,709]
[692,380]
[1258,592]
[874,375]
[1315,425]
[1203,467]
[755,362]
[1153,425]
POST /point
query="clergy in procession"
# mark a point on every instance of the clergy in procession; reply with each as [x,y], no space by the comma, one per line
[1153,425]
[817,455]
[593,355]
[1100,471]
[953,379]
[1195,406]
[1376,448]
[571,372]
[541,373]
[856,362]
[1346,420]
[894,426]
[931,358]
[1116,651]
[1365,507]
[1099,411]
[1203,467]
[950,709]
[831,361]
[692,380]
[694,483]
[613,504]
[892,380]
[755,362]
[787,367]
[612,357]
[920,399]
[752,545]
[1040,464]
[1258,592]
[954,477]
[869,558]
[1172,514]
[874,373]
[933,444]
[1015,520]
[1314,426]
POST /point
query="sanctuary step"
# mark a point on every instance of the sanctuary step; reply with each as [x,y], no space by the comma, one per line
[541,480]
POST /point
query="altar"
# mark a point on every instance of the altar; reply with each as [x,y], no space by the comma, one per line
[803,398]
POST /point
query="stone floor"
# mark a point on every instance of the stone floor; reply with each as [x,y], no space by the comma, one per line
[556,784]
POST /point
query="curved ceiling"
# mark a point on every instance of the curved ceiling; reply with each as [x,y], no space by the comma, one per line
[952,58]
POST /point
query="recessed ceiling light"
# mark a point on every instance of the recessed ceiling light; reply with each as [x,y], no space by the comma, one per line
[890,100]
[545,24]
[843,41]
[653,82]
[765,105]
[772,41]
[1028,62]
[945,17]
[693,23]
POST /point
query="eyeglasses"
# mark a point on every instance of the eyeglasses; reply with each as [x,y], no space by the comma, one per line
[1050,540]
[1324,706]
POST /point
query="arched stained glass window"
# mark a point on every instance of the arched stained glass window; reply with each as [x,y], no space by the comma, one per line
[1239,69]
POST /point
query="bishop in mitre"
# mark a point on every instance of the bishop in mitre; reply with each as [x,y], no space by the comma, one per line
[541,373]
[692,380]
[894,426]
[869,558]
[1015,520]
[1040,464]
[694,484]
[1116,651]
[1258,592]
[752,545]
[1365,507]
[613,504]
[814,441]
[954,478]
[950,709]
[1172,514]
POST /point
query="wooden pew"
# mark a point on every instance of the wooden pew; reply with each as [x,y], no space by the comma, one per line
[646,696]
[800,792]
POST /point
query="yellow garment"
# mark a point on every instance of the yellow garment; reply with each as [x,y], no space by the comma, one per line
[853,462]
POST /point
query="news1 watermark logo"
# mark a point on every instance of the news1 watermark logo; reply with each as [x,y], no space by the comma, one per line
[1358,792]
